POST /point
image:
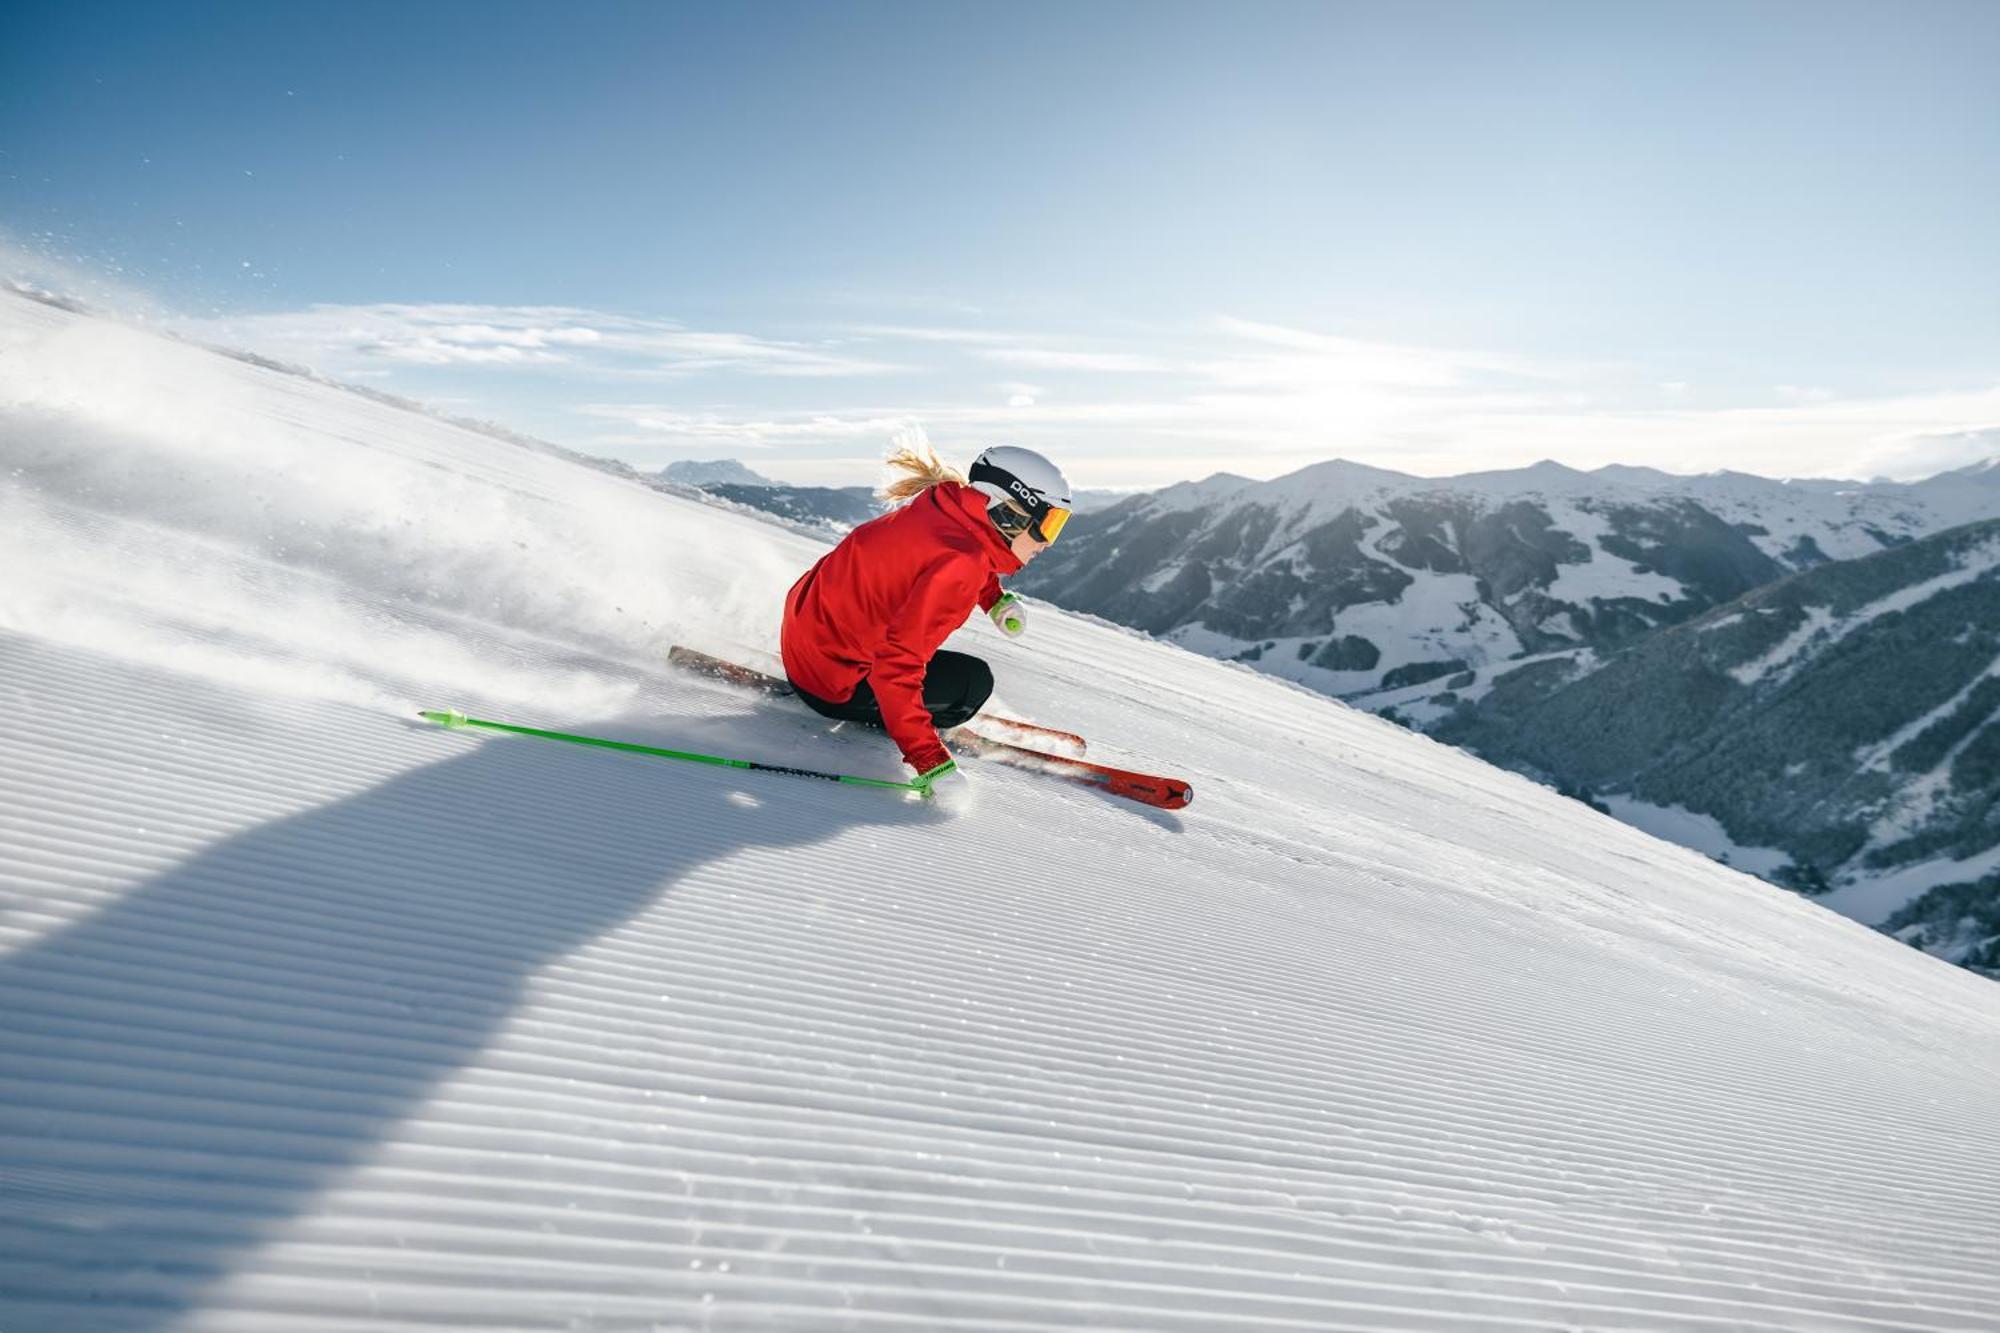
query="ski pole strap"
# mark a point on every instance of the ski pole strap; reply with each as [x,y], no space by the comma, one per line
[452,719]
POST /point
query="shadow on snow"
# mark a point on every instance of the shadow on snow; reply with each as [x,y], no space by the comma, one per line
[188,1068]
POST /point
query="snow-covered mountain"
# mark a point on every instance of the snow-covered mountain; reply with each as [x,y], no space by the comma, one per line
[1413,597]
[318,1017]
[714,472]
[831,510]
[1352,579]
[1847,719]
[828,509]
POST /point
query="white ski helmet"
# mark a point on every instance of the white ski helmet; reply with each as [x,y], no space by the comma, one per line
[1023,484]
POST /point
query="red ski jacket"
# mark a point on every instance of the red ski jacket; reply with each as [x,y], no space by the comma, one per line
[877,606]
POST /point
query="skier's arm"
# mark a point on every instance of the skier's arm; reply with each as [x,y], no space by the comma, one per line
[990,593]
[937,605]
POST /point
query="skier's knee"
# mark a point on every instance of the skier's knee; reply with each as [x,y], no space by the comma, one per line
[978,685]
[971,684]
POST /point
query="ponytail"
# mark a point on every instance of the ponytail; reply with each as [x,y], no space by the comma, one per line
[921,469]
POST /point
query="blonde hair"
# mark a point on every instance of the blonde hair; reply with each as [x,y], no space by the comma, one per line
[921,469]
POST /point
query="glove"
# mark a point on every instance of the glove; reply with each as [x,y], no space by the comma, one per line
[926,781]
[944,784]
[1010,613]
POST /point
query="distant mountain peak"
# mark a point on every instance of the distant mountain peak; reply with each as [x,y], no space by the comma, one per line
[1347,472]
[713,472]
[1984,474]
[1215,487]
[1624,474]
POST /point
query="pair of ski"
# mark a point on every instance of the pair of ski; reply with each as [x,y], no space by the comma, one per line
[1013,746]
[1145,788]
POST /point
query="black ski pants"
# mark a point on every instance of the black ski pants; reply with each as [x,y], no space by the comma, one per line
[956,685]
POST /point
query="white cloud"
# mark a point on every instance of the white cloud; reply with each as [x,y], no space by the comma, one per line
[1307,358]
[1422,411]
[662,425]
[1039,351]
[1151,407]
[447,351]
[340,339]
[929,334]
[1052,358]
[1903,437]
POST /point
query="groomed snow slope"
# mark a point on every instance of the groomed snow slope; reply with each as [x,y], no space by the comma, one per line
[320,1018]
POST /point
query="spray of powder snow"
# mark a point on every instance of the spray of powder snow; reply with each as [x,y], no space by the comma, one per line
[161,502]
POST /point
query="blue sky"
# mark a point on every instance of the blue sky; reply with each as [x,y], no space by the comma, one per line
[1152,239]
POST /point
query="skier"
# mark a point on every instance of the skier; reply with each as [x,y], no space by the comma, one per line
[863,626]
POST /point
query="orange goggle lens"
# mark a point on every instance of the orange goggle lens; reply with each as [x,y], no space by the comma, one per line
[1052,523]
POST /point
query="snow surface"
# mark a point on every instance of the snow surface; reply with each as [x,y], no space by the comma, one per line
[1876,755]
[1604,576]
[1879,897]
[322,1018]
[1818,620]
[1876,900]
[1704,833]
[1821,623]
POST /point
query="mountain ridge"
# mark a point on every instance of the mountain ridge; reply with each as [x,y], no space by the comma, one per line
[1412,596]
[1848,715]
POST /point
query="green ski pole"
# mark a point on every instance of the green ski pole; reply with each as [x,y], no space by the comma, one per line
[453,719]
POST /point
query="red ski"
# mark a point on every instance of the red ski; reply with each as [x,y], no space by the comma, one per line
[1146,788]
[689,659]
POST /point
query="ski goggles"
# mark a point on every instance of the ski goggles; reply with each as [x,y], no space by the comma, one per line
[1044,527]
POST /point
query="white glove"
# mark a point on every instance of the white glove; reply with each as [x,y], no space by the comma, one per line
[1010,613]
